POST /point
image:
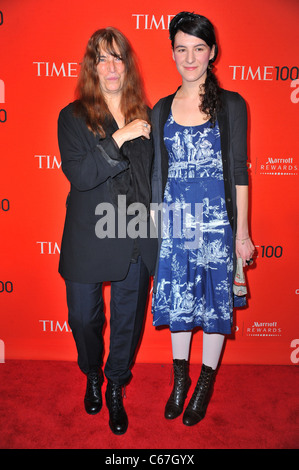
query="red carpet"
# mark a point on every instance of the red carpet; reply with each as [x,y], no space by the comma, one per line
[253,407]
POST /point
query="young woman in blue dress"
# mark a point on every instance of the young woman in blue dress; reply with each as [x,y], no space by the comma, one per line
[200,175]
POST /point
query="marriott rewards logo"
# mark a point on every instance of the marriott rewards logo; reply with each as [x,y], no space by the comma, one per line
[272,166]
[264,329]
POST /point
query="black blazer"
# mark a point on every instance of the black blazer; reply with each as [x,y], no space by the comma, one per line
[96,169]
[232,120]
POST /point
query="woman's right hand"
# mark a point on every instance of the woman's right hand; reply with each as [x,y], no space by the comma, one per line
[133,130]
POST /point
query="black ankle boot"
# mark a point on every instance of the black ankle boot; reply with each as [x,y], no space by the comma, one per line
[93,396]
[182,382]
[118,420]
[196,408]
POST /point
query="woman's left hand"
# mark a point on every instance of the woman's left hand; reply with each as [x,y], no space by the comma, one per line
[245,250]
[133,130]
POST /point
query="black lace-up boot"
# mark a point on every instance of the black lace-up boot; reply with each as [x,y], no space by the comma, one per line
[118,420]
[196,408]
[182,382]
[93,396]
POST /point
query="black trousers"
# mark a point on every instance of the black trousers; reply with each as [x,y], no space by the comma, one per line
[127,311]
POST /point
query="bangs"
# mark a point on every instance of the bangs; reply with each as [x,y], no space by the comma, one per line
[197,30]
[109,45]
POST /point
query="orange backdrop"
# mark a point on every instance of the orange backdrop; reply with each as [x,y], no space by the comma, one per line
[42,44]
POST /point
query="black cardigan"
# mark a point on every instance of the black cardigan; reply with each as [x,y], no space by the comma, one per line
[232,120]
[97,170]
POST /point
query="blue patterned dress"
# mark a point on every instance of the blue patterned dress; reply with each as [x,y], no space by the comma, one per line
[195,272]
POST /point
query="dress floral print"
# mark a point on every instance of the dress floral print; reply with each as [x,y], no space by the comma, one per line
[195,273]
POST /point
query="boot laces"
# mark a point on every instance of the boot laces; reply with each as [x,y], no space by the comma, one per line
[117,396]
[202,388]
[93,384]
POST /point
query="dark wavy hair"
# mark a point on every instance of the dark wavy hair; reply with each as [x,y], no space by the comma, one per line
[201,27]
[91,104]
